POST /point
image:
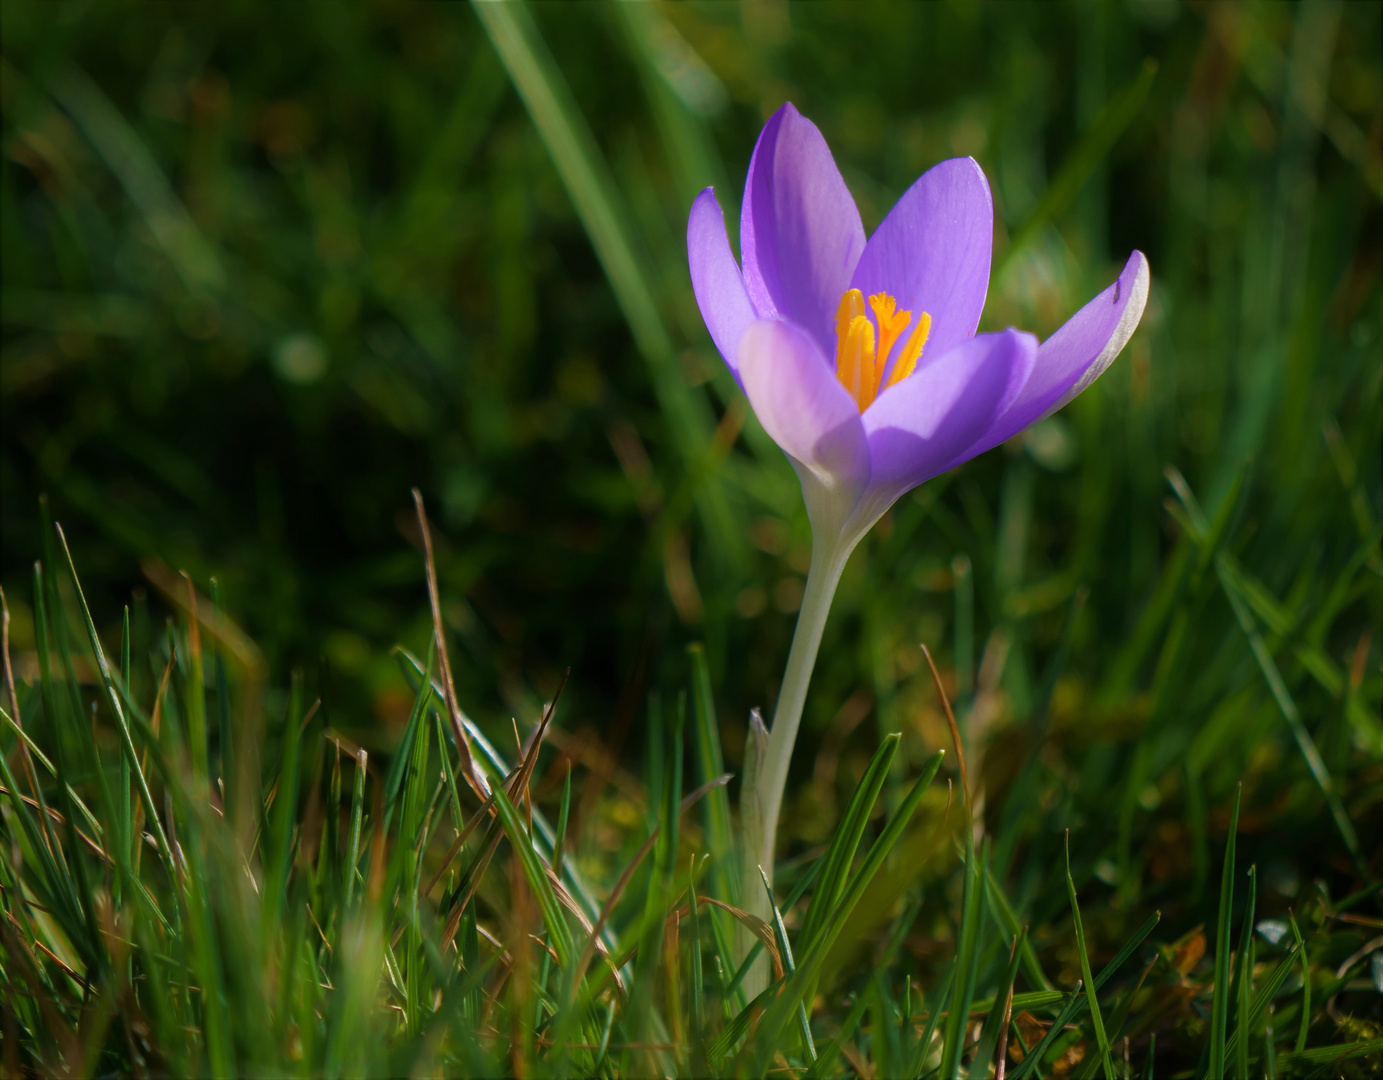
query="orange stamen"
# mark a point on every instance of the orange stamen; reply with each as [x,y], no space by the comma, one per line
[855,365]
[912,351]
[891,325]
[860,366]
[851,307]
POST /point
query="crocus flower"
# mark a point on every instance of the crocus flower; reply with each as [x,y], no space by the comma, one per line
[861,360]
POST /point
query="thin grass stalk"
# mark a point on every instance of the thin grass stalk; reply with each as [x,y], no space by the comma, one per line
[1219,1005]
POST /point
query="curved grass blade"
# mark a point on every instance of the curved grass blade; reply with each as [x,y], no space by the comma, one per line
[1091,990]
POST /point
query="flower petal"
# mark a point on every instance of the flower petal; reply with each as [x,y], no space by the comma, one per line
[1076,355]
[800,232]
[1092,337]
[932,252]
[918,427]
[716,278]
[802,405]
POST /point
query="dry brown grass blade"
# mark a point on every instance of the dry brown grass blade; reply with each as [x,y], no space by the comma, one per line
[516,788]
[96,848]
[756,926]
[469,770]
[569,902]
[955,729]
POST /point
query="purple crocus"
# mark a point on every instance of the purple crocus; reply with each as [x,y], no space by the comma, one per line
[861,360]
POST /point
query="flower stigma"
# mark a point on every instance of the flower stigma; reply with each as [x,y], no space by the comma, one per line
[860,365]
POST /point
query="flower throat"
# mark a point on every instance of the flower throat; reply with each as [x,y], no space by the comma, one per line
[860,366]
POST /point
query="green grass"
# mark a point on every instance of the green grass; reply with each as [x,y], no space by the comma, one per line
[262,276]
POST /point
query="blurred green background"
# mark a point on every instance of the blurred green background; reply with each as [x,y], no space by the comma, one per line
[266,267]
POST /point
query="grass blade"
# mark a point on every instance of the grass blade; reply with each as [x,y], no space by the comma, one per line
[357,817]
[839,857]
[1075,1002]
[798,984]
[1305,744]
[1305,1025]
[998,1012]
[967,956]
[1219,1006]
[533,870]
[1091,990]
[781,933]
[710,763]
[1239,1041]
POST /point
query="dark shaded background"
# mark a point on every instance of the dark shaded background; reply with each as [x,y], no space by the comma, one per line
[267,267]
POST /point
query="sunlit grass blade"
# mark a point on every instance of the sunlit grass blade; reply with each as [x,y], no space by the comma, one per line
[785,949]
[1087,976]
[834,877]
[559,933]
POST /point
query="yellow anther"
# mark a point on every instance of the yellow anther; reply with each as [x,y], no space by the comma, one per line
[851,308]
[912,351]
[891,325]
[860,366]
[855,362]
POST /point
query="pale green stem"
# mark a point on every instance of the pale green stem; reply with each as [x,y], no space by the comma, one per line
[763,794]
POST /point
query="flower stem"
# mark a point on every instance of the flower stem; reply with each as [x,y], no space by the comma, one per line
[763,796]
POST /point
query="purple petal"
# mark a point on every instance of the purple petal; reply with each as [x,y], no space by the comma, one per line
[796,396]
[917,427]
[1076,355]
[932,252]
[800,233]
[716,278]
